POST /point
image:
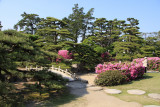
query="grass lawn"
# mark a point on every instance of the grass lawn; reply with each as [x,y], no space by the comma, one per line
[150,83]
[52,101]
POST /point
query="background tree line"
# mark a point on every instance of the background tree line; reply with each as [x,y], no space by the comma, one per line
[121,38]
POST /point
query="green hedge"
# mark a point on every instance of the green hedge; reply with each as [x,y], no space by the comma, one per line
[110,78]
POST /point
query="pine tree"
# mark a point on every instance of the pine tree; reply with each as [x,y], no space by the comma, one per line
[79,22]
[16,47]
[28,23]
[52,33]
[130,42]
[107,32]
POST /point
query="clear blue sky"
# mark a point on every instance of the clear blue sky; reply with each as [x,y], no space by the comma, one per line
[146,11]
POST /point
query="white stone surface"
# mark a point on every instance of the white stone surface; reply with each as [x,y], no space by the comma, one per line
[95,88]
[90,85]
[76,85]
[154,95]
[136,92]
[64,75]
[113,91]
[151,106]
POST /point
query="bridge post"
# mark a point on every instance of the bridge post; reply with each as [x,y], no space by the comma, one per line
[36,68]
[59,68]
[52,67]
[41,68]
[30,67]
[26,68]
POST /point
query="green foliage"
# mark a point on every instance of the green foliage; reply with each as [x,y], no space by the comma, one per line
[53,28]
[86,56]
[5,89]
[33,37]
[11,32]
[107,31]
[64,65]
[130,43]
[79,23]
[48,81]
[17,49]
[159,69]
[100,50]
[28,23]
[110,78]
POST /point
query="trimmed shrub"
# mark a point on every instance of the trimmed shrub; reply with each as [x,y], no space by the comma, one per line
[110,78]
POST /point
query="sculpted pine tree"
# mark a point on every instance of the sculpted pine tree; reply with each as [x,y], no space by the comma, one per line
[107,32]
[151,46]
[100,30]
[15,47]
[87,28]
[130,42]
[52,31]
[52,28]
[28,23]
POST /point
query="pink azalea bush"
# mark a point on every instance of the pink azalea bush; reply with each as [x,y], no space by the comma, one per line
[153,62]
[106,57]
[65,54]
[131,70]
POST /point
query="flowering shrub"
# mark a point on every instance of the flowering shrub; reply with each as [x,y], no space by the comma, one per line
[110,78]
[59,60]
[65,54]
[131,70]
[106,57]
[153,62]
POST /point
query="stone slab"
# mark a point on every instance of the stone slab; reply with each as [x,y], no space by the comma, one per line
[154,96]
[136,92]
[95,88]
[113,91]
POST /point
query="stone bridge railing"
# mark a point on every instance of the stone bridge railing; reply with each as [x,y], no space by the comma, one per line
[56,70]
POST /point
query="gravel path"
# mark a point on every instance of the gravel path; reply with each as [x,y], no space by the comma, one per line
[87,97]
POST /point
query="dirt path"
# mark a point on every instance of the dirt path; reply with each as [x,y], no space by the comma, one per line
[90,98]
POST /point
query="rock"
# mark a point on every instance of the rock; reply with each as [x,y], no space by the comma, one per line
[154,96]
[113,91]
[151,106]
[95,88]
[136,92]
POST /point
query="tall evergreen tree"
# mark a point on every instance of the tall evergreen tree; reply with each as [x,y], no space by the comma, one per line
[87,28]
[52,32]
[79,23]
[53,28]
[16,47]
[28,23]
[129,46]
[107,32]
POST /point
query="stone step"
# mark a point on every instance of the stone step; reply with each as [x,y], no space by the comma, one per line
[136,92]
